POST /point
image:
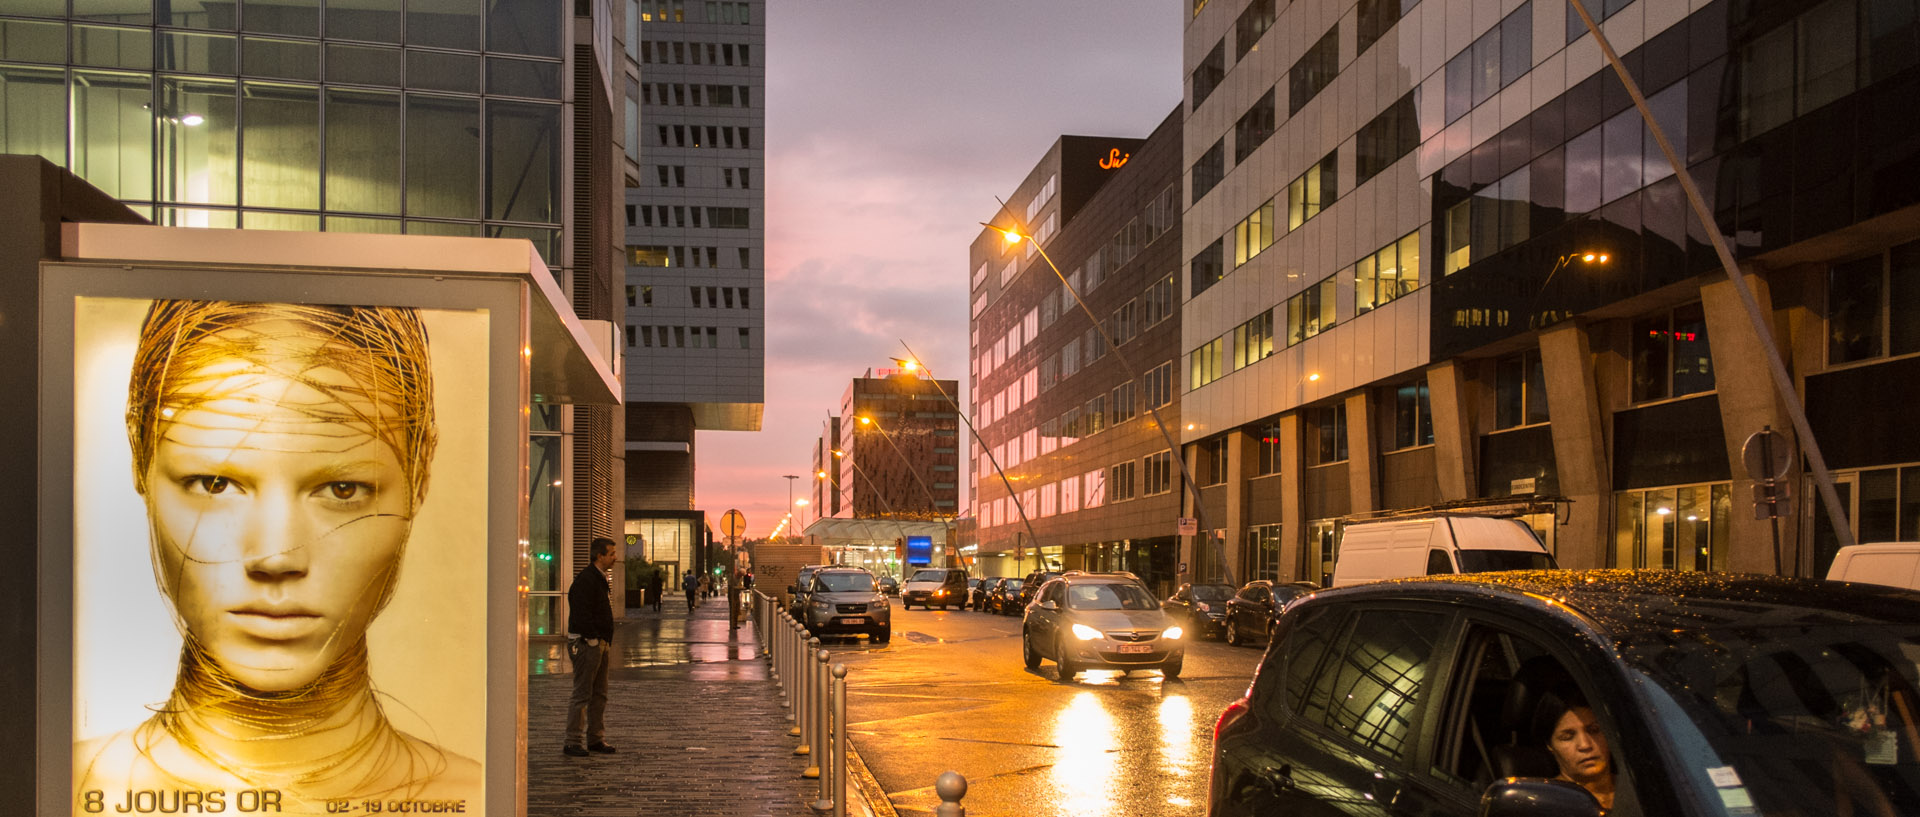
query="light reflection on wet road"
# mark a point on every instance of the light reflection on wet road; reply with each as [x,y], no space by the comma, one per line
[953,694]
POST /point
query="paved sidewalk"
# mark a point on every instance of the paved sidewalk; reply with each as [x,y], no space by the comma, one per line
[697,721]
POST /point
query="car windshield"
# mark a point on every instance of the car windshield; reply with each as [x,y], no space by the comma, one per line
[844,582]
[1212,592]
[1486,561]
[1110,597]
[929,576]
[1817,717]
[1013,584]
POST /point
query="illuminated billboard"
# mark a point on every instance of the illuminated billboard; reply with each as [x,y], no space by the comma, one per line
[919,550]
[286,505]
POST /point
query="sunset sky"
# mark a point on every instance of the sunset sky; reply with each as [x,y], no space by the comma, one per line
[891,127]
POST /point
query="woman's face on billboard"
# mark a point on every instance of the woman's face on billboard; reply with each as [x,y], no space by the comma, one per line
[278,519]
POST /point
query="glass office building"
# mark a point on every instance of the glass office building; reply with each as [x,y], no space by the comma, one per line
[439,117]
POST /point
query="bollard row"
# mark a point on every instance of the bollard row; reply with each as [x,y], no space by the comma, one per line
[813,692]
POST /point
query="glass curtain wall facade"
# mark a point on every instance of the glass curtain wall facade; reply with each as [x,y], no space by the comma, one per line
[435,117]
[1492,219]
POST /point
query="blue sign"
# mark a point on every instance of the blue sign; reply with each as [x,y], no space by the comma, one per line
[919,550]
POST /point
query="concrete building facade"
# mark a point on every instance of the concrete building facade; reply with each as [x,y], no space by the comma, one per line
[1461,266]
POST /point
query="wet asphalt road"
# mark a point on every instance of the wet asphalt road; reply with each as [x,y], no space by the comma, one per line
[950,692]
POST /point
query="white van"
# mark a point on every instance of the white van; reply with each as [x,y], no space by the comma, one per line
[1894,564]
[1373,550]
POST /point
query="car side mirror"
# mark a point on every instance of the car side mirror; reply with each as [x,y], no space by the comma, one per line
[794,589]
[1537,797]
[1048,605]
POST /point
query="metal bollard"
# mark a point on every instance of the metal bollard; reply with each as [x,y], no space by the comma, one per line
[798,643]
[809,725]
[950,787]
[824,769]
[839,741]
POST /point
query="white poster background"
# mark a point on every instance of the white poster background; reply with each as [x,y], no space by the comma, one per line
[427,649]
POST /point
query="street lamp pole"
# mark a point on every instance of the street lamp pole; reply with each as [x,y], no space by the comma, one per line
[789,478]
[1173,447]
[991,459]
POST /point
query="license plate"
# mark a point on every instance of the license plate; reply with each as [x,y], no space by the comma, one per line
[1136,648]
[853,620]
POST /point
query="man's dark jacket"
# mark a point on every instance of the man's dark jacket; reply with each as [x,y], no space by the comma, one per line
[589,606]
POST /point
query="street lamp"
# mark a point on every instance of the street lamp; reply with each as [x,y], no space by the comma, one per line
[912,361]
[1173,447]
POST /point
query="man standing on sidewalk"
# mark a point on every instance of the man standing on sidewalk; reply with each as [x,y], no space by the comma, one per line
[589,643]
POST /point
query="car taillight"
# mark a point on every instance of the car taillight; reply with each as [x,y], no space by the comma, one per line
[1234,712]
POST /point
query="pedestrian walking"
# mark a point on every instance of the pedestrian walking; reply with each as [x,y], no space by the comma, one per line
[656,585]
[691,584]
[706,586]
[589,643]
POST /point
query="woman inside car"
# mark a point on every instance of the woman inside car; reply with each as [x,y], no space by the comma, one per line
[1573,736]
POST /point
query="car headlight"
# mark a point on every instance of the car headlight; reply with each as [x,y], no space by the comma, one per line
[879,600]
[823,606]
[941,593]
[1172,632]
[1085,633]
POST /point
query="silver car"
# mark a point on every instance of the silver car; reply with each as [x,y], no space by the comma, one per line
[1100,621]
[845,601]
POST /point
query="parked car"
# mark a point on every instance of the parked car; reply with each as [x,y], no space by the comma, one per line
[845,600]
[1398,548]
[802,584]
[1251,611]
[1003,597]
[1200,608]
[1706,693]
[1031,585]
[888,585]
[935,587]
[1894,564]
[1100,621]
[976,592]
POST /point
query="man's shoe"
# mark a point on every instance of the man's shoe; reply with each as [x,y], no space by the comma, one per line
[574,751]
[602,748]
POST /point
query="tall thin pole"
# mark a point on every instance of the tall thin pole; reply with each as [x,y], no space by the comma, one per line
[991,459]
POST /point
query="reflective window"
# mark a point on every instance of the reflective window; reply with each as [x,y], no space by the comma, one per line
[1412,416]
[300,18]
[1314,71]
[191,53]
[363,151]
[1671,355]
[1208,74]
[1327,432]
[280,59]
[281,154]
[364,65]
[33,41]
[113,133]
[199,129]
[523,179]
[1873,305]
[444,23]
[1209,169]
[1266,449]
[443,157]
[1683,528]
[214,14]
[130,12]
[1519,391]
[107,47]
[368,22]
[529,27]
[1254,22]
[438,71]
[1378,679]
[540,80]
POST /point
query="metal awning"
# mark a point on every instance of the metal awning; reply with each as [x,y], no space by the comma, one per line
[838,532]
